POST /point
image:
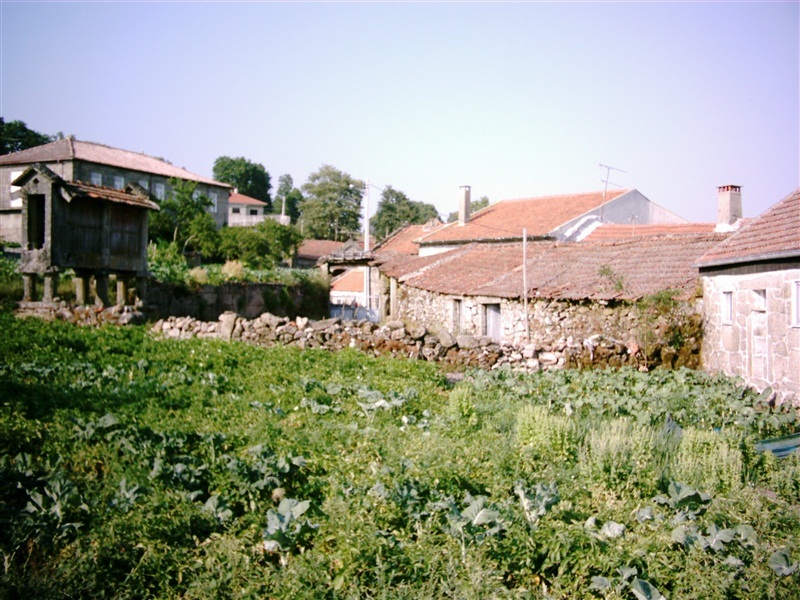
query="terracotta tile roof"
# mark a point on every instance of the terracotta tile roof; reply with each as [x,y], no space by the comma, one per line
[315,249]
[403,240]
[237,198]
[774,234]
[628,269]
[71,149]
[351,281]
[130,195]
[507,218]
[612,231]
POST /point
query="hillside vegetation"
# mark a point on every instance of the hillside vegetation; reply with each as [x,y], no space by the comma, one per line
[137,468]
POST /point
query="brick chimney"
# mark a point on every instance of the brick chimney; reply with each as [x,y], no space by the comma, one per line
[729,204]
[464,206]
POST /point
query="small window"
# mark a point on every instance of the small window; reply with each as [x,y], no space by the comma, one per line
[213,197]
[119,182]
[760,300]
[144,183]
[456,315]
[253,212]
[727,308]
[161,191]
[97,178]
[796,304]
[492,324]
[235,210]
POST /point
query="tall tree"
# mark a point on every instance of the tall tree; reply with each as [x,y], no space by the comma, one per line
[183,219]
[251,179]
[16,136]
[396,210]
[331,207]
[290,196]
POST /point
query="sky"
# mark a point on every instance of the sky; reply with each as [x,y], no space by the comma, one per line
[514,99]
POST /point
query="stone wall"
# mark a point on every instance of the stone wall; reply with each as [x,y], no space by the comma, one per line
[574,333]
[757,335]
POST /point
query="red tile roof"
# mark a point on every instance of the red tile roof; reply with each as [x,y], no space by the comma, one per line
[112,195]
[351,281]
[314,249]
[71,149]
[403,241]
[237,198]
[628,269]
[612,231]
[506,219]
[772,235]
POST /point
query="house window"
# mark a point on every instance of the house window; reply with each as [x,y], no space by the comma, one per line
[119,182]
[796,304]
[144,183]
[456,315]
[727,308]
[253,212]
[235,210]
[760,300]
[213,197]
[15,202]
[97,178]
[161,191]
[491,322]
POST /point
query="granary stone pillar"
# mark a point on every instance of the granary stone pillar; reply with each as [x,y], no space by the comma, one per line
[101,289]
[28,287]
[50,287]
[141,288]
[82,281]
[122,290]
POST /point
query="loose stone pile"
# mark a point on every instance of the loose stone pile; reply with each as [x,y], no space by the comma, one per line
[89,316]
[397,339]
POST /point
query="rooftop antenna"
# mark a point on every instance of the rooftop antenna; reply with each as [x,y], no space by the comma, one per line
[606,181]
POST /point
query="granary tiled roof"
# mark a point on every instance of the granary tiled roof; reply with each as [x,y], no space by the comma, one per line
[72,149]
[774,234]
[133,195]
[506,219]
[237,198]
[628,269]
[613,231]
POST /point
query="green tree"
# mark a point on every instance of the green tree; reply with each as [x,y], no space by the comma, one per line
[261,247]
[476,206]
[396,210]
[183,219]
[289,195]
[251,179]
[16,136]
[331,207]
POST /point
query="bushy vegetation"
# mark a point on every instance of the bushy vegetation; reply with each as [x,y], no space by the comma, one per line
[135,468]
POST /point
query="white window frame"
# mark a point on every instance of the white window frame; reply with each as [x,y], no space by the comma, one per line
[160,190]
[96,178]
[727,308]
[119,182]
[795,303]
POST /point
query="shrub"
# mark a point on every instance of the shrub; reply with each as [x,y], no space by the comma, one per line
[709,460]
[549,436]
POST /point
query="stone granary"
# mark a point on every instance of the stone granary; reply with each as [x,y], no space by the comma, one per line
[95,231]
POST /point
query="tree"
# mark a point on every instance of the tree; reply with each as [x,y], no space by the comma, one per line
[475,207]
[289,195]
[331,208]
[396,210]
[260,247]
[251,179]
[15,136]
[183,219]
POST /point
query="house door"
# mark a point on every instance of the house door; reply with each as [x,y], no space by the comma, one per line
[757,347]
[492,326]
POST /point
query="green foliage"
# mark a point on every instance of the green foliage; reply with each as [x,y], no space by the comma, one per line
[16,136]
[251,179]
[131,467]
[331,207]
[287,198]
[261,247]
[396,210]
[183,219]
[166,263]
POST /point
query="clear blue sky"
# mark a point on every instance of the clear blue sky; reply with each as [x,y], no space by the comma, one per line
[514,99]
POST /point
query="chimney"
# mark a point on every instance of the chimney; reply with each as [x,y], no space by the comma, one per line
[729,204]
[464,206]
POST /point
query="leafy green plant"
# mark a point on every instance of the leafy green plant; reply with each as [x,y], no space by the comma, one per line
[287,530]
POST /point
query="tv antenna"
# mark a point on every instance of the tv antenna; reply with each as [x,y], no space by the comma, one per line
[606,180]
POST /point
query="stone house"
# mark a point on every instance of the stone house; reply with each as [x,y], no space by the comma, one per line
[558,298]
[95,231]
[100,166]
[567,217]
[751,290]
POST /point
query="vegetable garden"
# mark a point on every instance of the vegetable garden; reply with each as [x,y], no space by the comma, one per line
[137,468]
